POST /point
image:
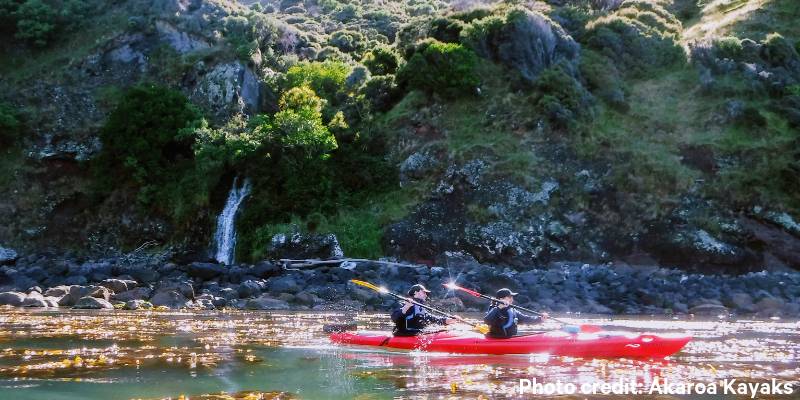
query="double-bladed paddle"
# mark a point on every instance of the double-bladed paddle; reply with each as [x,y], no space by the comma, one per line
[479,327]
[587,328]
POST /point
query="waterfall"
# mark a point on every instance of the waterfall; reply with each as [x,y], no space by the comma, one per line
[225,236]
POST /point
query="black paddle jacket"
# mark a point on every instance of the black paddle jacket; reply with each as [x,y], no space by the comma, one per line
[503,321]
[413,321]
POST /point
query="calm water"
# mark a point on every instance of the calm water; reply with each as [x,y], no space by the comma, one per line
[135,354]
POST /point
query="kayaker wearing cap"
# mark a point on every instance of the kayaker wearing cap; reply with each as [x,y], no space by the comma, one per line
[410,319]
[503,320]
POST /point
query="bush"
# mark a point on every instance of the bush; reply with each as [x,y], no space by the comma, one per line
[603,79]
[348,41]
[559,97]
[38,22]
[326,78]
[10,125]
[777,50]
[298,125]
[146,138]
[381,60]
[381,92]
[633,45]
[444,68]
[446,30]
[728,47]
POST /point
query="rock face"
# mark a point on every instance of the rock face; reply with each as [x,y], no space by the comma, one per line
[528,42]
[266,303]
[227,89]
[299,245]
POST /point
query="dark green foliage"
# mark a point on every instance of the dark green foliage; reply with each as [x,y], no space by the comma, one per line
[471,15]
[38,22]
[381,92]
[728,47]
[603,79]
[348,41]
[778,51]
[559,97]
[381,60]
[145,140]
[686,9]
[409,34]
[447,69]
[446,30]
[251,32]
[573,18]
[633,44]
[10,125]
[751,118]
[347,13]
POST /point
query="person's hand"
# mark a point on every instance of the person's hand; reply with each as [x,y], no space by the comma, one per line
[545,316]
[406,307]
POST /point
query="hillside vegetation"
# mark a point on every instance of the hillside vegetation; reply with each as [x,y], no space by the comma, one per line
[515,132]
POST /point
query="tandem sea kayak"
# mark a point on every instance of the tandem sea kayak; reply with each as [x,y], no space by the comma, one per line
[594,345]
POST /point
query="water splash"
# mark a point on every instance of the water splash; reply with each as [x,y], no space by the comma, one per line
[225,236]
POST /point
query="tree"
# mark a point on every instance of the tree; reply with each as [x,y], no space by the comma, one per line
[298,124]
[444,68]
[381,60]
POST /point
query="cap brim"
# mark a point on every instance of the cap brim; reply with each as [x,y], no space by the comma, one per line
[514,294]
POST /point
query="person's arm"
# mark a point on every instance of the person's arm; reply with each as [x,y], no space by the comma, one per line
[527,319]
[491,316]
[400,312]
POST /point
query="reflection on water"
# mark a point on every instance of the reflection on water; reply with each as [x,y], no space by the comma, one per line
[150,354]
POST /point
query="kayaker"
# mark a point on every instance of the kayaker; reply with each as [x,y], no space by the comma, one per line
[503,320]
[410,319]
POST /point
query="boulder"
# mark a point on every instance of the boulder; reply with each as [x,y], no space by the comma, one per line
[137,304]
[769,305]
[34,299]
[12,299]
[57,291]
[284,284]
[266,303]
[93,303]
[739,301]
[205,271]
[76,292]
[304,246]
[227,89]
[139,293]
[265,269]
[170,299]
[118,285]
[526,41]
[250,288]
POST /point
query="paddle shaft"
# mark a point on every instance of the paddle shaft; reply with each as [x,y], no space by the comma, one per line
[496,300]
[427,307]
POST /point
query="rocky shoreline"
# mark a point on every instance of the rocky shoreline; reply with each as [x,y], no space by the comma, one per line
[38,281]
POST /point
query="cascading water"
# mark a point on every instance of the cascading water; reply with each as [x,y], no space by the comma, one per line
[225,236]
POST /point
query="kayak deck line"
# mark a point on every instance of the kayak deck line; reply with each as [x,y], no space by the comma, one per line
[586,345]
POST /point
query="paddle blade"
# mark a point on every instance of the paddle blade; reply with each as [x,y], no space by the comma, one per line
[586,328]
[453,286]
[367,285]
[482,328]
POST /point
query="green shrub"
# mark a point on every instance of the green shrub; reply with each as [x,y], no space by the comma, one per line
[146,138]
[347,13]
[473,14]
[381,92]
[728,47]
[10,125]
[444,68]
[446,30]
[777,50]
[633,45]
[299,126]
[326,78]
[38,22]
[381,60]
[603,79]
[348,41]
[559,97]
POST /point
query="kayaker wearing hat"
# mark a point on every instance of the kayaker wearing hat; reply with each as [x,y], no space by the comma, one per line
[410,319]
[503,320]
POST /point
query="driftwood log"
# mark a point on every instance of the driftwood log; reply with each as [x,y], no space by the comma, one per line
[290,264]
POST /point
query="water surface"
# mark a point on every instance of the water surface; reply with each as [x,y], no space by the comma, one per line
[151,354]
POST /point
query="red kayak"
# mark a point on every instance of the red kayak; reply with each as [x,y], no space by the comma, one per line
[594,345]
